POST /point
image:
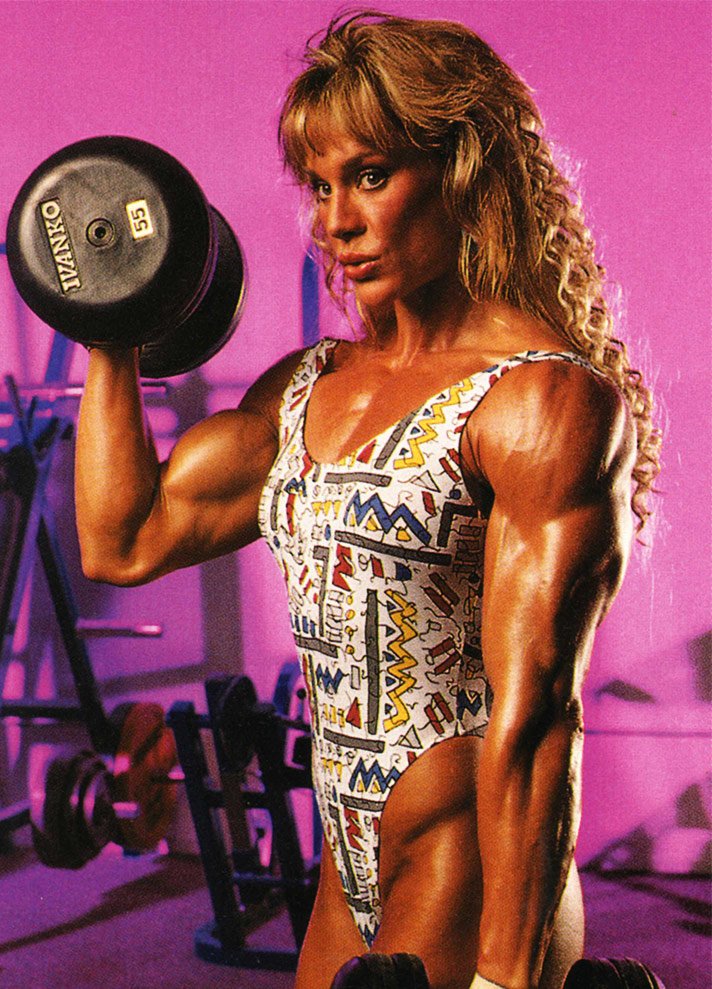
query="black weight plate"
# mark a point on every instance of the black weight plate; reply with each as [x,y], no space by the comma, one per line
[593,973]
[110,239]
[82,847]
[47,818]
[54,838]
[635,975]
[410,971]
[235,722]
[92,823]
[206,331]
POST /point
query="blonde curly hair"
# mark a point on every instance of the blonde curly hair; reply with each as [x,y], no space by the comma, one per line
[395,82]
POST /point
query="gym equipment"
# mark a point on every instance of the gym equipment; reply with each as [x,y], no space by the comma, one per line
[84,805]
[262,754]
[111,241]
[377,971]
[28,529]
[404,971]
[73,822]
[235,707]
[74,816]
[142,775]
[30,435]
[611,973]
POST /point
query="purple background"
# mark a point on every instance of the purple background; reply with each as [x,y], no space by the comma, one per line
[624,90]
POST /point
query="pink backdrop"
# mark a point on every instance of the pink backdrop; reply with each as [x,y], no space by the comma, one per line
[624,89]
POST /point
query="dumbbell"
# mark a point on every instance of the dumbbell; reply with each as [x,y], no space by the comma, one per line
[112,242]
[407,971]
[379,971]
[611,973]
[128,797]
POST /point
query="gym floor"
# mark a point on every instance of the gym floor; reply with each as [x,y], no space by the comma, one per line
[128,923]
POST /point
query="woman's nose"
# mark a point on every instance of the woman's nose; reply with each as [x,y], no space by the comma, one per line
[343,220]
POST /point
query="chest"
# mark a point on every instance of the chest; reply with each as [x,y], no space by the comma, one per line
[350,407]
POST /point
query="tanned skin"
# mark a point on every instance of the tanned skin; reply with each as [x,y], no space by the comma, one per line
[477,837]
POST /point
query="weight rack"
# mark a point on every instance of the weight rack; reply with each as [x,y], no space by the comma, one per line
[28,535]
[236,879]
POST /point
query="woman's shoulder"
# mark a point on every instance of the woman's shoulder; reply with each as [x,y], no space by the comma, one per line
[265,394]
[543,407]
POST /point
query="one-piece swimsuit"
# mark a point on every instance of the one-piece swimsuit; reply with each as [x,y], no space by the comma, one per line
[383,555]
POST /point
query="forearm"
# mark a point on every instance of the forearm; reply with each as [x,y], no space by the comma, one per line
[528,814]
[116,468]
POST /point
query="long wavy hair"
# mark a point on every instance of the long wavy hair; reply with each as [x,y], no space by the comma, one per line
[394,82]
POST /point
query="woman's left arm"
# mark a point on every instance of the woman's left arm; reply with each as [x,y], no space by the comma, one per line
[556,445]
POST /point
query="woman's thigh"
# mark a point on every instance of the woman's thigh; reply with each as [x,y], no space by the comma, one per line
[440,922]
[332,936]
[432,910]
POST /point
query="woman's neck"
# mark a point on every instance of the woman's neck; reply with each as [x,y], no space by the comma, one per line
[440,316]
[437,324]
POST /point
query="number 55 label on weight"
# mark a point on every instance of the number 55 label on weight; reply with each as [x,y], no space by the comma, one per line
[140,219]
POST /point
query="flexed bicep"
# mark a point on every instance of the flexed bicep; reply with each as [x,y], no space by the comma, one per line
[139,519]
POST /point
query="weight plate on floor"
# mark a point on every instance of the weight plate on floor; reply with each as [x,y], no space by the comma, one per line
[91,823]
[145,755]
[57,841]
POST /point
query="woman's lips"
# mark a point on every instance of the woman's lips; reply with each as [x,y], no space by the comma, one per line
[358,267]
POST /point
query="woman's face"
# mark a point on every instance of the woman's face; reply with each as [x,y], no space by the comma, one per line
[383,219]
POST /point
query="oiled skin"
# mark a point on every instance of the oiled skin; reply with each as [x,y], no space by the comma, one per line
[473,864]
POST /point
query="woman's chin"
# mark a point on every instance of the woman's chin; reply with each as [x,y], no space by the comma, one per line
[374,295]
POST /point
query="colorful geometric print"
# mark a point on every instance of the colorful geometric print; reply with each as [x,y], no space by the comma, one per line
[383,555]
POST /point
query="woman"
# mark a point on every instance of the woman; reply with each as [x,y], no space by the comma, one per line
[451,534]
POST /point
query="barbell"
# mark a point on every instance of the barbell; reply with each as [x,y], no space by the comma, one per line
[128,797]
[112,242]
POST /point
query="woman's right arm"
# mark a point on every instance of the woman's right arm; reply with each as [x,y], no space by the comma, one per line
[137,518]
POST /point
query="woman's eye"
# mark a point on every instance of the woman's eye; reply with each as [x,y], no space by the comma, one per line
[372,178]
[321,191]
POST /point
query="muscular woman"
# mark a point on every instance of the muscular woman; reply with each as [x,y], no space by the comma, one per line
[450,498]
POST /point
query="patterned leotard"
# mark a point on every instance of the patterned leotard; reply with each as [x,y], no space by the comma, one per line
[383,555]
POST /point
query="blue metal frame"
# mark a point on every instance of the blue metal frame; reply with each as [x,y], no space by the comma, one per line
[28,463]
[224,939]
[310,300]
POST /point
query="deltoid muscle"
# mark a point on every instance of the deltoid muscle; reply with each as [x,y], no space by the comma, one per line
[383,554]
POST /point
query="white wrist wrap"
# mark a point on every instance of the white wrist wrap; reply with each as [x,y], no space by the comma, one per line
[479,982]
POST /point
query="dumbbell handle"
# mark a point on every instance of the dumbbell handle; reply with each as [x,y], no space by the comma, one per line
[176,775]
[129,810]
